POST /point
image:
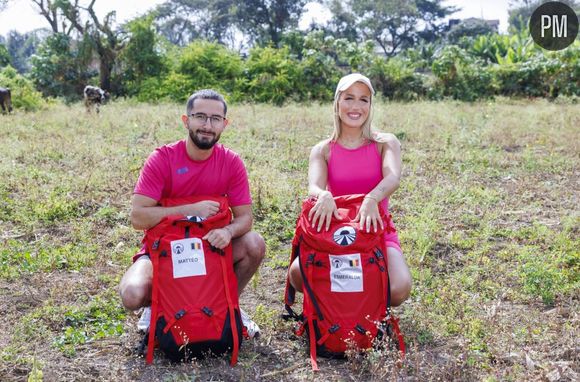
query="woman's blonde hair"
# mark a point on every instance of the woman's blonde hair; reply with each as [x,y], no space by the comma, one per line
[367,131]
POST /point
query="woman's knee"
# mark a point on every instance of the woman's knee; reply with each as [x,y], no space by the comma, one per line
[400,277]
[295,276]
[401,290]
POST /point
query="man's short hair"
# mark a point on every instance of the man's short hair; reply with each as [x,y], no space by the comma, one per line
[205,94]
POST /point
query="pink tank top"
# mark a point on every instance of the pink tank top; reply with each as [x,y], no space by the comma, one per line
[354,171]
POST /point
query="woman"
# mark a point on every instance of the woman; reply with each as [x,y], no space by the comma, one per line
[357,160]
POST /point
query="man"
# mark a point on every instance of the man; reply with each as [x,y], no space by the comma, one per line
[197,165]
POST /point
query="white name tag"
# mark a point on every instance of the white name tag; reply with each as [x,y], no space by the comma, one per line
[346,273]
[188,258]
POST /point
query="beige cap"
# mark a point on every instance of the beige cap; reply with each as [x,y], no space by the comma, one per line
[347,81]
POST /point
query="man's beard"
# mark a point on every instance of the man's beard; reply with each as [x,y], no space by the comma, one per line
[203,143]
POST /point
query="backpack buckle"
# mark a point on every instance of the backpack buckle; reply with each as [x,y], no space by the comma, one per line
[179,314]
[207,311]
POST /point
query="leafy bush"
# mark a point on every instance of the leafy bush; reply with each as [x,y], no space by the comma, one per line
[272,75]
[141,58]
[396,79]
[460,76]
[200,65]
[24,95]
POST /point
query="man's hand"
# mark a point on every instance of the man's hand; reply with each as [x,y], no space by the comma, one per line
[219,238]
[204,209]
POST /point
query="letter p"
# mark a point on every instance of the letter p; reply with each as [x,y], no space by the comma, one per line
[546,23]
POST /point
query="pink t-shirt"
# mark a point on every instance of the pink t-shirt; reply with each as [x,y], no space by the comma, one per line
[170,173]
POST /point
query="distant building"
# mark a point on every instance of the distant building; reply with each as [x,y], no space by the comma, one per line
[473,21]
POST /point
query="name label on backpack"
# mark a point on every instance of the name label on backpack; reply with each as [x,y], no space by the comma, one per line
[188,258]
[346,273]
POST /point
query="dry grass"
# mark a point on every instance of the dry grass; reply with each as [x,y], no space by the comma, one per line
[487,214]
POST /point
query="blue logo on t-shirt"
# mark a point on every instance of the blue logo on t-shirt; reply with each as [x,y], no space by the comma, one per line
[182,170]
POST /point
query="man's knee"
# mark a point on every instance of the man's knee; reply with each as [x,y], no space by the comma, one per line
[134,294]
[135,286]
[255,247]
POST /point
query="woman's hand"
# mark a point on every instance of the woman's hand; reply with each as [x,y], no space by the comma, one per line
[323,211]
[369,215]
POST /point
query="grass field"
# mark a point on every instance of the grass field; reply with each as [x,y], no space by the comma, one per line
[487,213]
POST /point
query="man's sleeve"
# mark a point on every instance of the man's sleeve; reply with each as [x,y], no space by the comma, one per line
[239,188]
[153,178]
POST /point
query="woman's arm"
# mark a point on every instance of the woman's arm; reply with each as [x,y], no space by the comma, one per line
[392,163]
[391,167]
[325,206]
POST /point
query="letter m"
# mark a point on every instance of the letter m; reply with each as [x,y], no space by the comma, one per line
[557,31]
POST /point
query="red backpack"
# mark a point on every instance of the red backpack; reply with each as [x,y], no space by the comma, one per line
[345,282]
[194,299]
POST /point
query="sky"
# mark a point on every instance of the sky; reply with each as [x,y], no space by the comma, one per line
[22,16]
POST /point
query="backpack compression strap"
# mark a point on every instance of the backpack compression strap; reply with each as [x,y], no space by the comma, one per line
[391,320]
[309,300]
[154,300]
[231,307]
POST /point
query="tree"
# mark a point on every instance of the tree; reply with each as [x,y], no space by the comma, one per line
[392,24]
[140,58]
[66,17]
[4,56]
[182,21]
[60,67]
[343,22]
[22,46]
[265,21]
[473,28]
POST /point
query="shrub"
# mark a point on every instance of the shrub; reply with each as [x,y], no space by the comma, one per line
[24,95]
[272,75]
[396,79]
[460,76]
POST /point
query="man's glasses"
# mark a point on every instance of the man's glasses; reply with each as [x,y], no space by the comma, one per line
[201,118]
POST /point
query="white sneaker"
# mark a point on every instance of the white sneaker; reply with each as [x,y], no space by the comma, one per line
[145,320]
[251,327]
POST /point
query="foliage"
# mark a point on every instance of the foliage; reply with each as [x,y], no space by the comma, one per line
[181,22]
[24,95]
[199,65]
[4,56]
[396,79]
[260,22]
[540,75]
[141,58]
[460,76]
[272,75]
[78,20]
[60,69]
[265,21]
[393,24]
[22,46]
[472,28]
